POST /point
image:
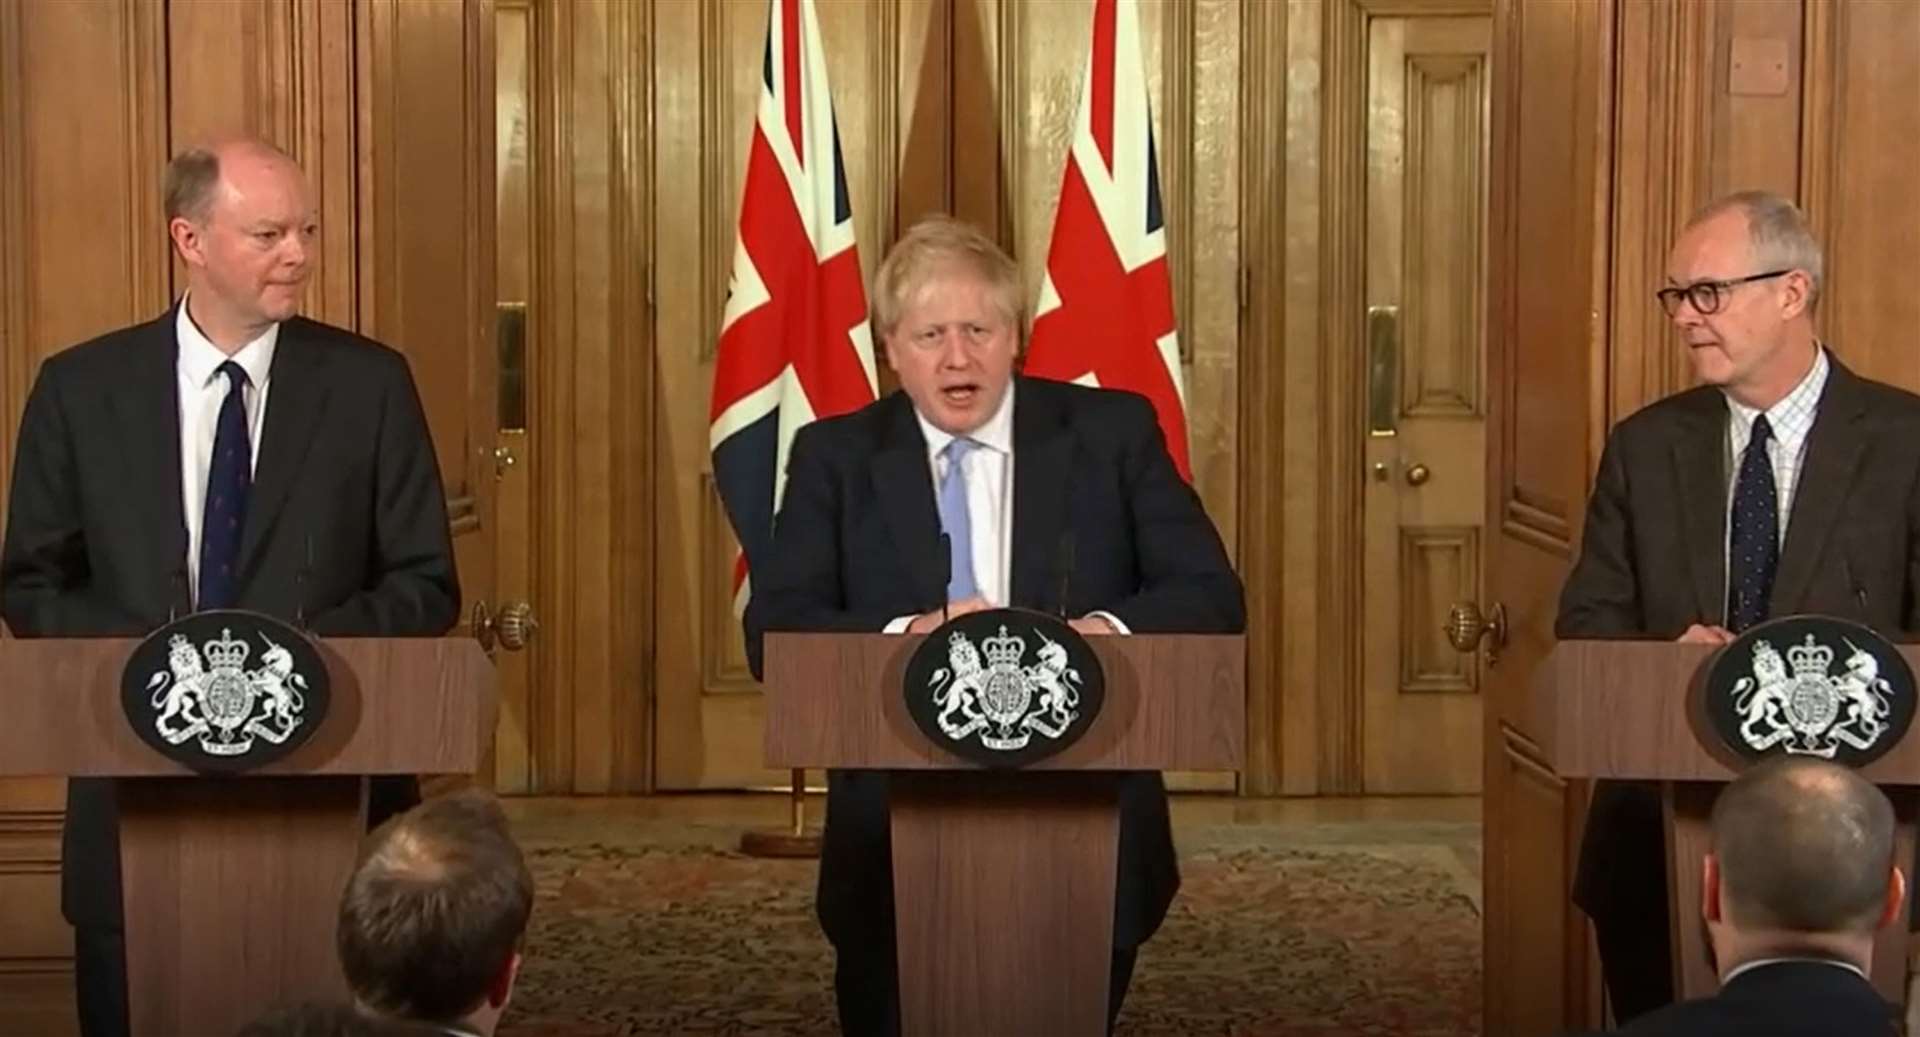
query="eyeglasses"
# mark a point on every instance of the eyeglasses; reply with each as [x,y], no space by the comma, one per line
[1707,296]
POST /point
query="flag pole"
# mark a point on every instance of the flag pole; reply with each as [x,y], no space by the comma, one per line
[796,840]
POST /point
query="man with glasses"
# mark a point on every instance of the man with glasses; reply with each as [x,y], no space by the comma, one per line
[1784,484]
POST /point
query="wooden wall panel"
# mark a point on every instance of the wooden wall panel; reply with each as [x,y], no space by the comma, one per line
[1861,147]
[1662,100]
[1755,100]
[83,246]
[36,946]
[81,252]
[424,221]
[296,90]
[591,414]
[1266,295]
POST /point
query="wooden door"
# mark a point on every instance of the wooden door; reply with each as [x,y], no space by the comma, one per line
[426,233]
[1427,128]
[1545,420]
[514,101]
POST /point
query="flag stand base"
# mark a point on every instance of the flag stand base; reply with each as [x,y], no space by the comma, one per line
[795,841]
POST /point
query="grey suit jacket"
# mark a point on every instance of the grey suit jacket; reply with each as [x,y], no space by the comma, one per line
[1653,562]
[1653,558]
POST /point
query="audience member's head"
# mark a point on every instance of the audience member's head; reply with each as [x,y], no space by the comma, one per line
[318,1019]
[1802,863]
[433,917]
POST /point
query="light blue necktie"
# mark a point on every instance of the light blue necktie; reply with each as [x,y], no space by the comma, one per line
[954,520]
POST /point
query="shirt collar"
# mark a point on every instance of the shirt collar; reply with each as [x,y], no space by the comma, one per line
[995,433]
[1791,418]
[1763,962]
[200,359]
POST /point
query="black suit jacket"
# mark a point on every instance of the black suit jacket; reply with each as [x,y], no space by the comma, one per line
[1785,999]
[856,545]
[346,526]
[1653,557]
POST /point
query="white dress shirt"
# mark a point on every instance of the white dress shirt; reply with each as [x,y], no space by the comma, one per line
[988,471]
[1763,962]
[1791,419]
[202,390]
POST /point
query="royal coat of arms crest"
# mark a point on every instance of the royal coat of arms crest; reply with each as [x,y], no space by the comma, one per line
[1797,703]
[207,692]
[1009,687]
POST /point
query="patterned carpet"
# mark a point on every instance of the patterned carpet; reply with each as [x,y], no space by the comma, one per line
[1296,929]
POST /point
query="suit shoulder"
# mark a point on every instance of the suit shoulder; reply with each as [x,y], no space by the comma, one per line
[1661,416]
[107,354]
[1088,403]
[1694,1018]
[348,347]
[1890,400]
[844,431]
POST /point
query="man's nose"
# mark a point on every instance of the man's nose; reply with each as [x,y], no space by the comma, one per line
[1686,316]
[296,249]
[953,350]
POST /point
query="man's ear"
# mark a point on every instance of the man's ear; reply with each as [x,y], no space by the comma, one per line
[1896,898]
[187,241]
[886,347]
[1710,888]
[502,986]
[1799,294]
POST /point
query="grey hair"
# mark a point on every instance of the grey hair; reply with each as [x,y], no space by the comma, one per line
[192,177]
[1778,231]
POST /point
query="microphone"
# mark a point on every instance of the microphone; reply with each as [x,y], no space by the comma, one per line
[181,593]
[946,573]
[1064,561]
[1859,589]
[300,588]
[180,589]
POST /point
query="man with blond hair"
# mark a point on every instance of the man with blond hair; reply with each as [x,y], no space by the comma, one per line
[1783,484]
[227,454]
[1010,470]
[434,916]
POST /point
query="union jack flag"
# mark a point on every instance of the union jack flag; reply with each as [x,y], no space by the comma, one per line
[1105,312]
[794,341]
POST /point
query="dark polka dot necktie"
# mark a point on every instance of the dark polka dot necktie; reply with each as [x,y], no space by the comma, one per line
[1754,540]
[229,478]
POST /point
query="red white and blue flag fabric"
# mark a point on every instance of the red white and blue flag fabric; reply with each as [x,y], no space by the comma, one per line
[794,342]
[1105,312]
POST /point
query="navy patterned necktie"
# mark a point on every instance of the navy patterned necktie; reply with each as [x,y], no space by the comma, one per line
[229,478]
[1753,546]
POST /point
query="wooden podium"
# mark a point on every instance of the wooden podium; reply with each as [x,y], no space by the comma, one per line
[1621,710]
[1004,880]
[232,885]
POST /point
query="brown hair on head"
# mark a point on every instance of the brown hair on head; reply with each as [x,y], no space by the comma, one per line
[435,910]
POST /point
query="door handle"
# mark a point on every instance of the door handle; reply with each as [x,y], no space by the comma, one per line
[1466,628]
[511,627]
